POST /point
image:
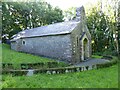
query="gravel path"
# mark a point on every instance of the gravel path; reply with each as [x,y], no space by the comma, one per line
[92,62]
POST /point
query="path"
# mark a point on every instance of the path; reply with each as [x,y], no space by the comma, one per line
[92,62]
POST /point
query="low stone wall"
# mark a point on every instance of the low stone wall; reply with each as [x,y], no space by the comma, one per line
[108,64]
[49,70]
[61,70]
[26,66]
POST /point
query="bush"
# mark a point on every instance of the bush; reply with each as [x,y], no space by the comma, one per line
[110,52]
[98,53]
[107,57]
[108,64]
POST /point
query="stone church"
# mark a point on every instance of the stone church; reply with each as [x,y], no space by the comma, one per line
[68,41]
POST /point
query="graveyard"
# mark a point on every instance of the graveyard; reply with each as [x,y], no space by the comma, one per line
[44,79]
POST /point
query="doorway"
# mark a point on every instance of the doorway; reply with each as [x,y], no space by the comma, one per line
[85,49]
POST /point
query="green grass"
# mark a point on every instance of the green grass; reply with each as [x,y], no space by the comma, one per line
[114,58]
[96,56]
[101,78]
[11,56]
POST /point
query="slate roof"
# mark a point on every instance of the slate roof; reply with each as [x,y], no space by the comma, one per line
[52,29]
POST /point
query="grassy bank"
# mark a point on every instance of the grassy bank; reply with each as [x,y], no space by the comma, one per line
[10,56]
[17,58]
[101,78]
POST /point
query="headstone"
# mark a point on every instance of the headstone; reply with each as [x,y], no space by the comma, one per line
[57,72]
[48,72]
[78,69]
[53,72]
[90,67]
[66,71]
[30,72]
[94,67]
[82,68]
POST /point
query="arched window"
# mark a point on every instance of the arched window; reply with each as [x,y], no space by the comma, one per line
[23,42]
[77,41]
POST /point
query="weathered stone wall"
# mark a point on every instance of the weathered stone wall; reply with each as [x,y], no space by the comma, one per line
[13,46]
[75,36]
[58,47]
[77,44]
[16,45]
[89,40]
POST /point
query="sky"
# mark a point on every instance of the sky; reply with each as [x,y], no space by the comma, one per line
[65,4]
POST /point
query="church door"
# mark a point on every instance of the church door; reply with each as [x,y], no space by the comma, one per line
[85,49]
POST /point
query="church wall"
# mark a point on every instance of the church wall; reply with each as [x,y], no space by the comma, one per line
[77,44]
[76,34]
[15,45]
[58,47]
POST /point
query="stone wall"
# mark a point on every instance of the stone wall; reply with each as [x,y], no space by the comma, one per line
[60,70]
[77,44]
[75,35]
[58,47]
[16,45]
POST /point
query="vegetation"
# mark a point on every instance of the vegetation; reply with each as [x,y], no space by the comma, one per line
[101,78]
[86,79]
[18,16]
[96,56]
[118,29]
[102,23]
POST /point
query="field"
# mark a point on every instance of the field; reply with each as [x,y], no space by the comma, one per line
[101,78]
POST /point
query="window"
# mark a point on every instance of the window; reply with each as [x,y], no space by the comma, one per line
[23,42]
[77,41]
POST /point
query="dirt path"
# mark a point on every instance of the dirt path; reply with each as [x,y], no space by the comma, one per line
[92,62]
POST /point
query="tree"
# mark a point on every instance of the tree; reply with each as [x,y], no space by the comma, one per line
[70,13]
[0,19]
[97,23]
[102,25]
[118,28]
[18,16]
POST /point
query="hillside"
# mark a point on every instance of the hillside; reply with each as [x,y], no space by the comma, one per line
[10,56]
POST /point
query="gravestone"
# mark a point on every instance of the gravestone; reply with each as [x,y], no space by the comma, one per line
[30,72]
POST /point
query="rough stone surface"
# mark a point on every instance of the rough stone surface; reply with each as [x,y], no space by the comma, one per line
[30,72]
[53,46]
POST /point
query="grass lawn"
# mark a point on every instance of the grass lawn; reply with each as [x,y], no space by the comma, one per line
[101,78]
[96,56]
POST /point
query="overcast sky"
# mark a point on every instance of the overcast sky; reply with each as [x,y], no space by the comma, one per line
[64,4]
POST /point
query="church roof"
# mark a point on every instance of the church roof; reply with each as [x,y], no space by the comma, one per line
[52,29]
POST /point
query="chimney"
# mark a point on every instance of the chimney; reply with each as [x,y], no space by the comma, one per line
[80,13]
